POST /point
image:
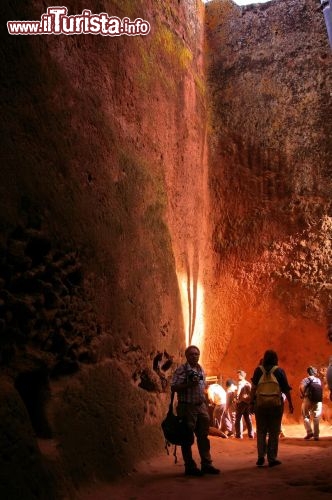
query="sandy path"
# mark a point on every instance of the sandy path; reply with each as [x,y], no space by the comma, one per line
[305,473]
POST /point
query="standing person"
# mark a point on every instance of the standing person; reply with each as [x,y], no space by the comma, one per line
[217,396]
[311,393]
[282,432]
[242,406]
[329,377]
[230,410]
[189,383]
[268,418]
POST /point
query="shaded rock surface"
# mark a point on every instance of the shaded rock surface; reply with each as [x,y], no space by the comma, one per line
[102,140]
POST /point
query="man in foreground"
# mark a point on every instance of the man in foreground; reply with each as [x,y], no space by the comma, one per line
[189,384]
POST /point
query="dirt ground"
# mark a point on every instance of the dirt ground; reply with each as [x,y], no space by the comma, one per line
[305,473]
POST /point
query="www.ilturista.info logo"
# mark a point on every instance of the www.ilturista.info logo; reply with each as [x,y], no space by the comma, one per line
[57,22]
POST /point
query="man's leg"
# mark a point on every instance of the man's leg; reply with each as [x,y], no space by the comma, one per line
[203,442]
[187,412]
[238,424]
[261,431]
[228,423]
[306,405]
[316,411]
[275,416]
[202,432]
[217,413]
[248,420]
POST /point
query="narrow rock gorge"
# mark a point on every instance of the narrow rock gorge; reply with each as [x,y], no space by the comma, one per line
[156,190]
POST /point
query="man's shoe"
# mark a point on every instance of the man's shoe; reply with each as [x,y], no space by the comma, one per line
[260,462]
[273,463]
[309,436]
[193,471]
[209,469]
[316,438]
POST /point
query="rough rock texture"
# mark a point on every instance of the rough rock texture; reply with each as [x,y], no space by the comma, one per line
[20,455]
[270,165]
[104,159]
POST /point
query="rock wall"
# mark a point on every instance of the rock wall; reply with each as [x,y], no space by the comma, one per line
[101,193]
[269,80]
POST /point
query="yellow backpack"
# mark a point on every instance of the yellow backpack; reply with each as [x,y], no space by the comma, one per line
[268,393]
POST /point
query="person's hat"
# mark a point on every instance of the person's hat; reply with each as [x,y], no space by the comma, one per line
[242,373]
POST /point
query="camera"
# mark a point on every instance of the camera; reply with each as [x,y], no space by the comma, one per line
[194,376]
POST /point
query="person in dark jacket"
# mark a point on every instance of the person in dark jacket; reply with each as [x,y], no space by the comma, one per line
[230,410]
[311,410]
[329,377]
[242,406]
[268,420]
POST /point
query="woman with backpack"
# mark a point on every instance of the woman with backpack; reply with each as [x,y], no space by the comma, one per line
[269,381]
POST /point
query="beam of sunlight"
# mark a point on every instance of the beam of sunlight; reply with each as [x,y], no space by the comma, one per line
[192,301]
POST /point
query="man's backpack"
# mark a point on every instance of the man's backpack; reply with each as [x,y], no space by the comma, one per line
[175,429]
[268,393]
[314,391]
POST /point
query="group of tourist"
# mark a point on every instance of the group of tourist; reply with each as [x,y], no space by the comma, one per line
[230,406]
[234,406]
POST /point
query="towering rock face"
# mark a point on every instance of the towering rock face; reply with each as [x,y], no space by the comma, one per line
[100,214]
[269,77]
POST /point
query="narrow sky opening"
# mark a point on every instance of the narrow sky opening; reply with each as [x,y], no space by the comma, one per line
[248,2]
[243,2]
